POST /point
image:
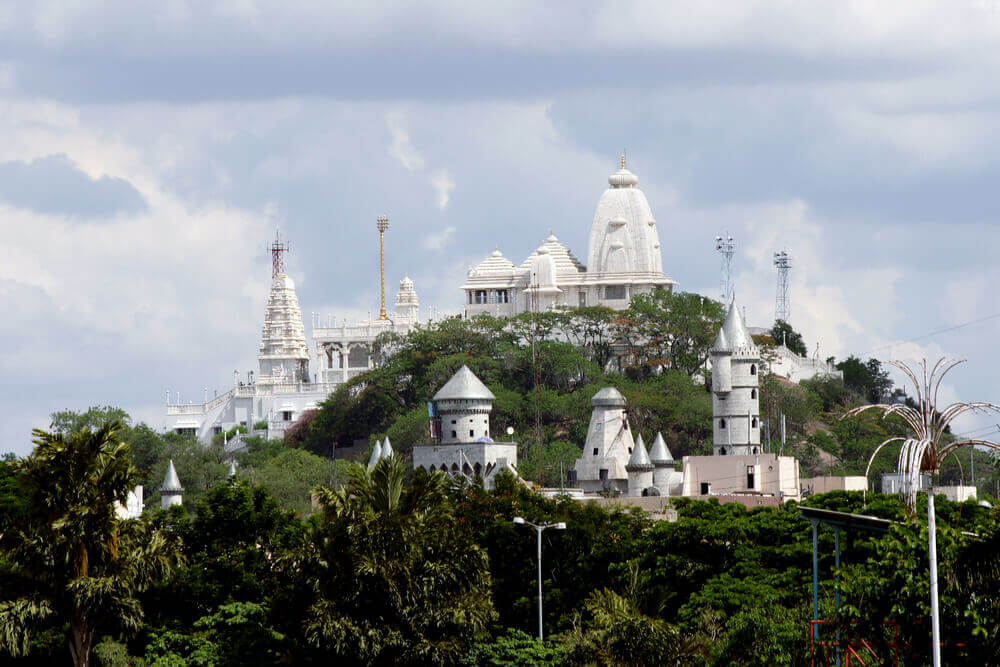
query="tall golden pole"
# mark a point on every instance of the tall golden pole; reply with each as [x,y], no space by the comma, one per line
[382,224]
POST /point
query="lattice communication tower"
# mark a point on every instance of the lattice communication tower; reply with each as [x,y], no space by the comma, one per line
[725,245]
[782,305]
[278,250]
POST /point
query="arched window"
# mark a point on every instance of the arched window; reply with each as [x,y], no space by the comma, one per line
[722,451]
[454,467]
[753,393]
[753,423]
[478,469]
[754,450]
[753,369]
[722,423]
[358,357]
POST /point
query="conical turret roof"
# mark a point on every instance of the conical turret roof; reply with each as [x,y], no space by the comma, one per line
[464,385]
[733,336]
[658,453]
[170,481]
[387,449]
[232,468]
[640,458]
[376,454]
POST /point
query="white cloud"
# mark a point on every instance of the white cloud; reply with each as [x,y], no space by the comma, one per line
[443,184]
[439,240]
[400,147]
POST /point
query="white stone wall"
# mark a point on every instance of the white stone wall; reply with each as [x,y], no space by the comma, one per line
[464,423]
[464,457]
[772,475]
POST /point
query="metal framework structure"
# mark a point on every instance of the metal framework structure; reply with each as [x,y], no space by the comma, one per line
[923,452]
[726,246]
[382,224]
[782,306]
[277,250]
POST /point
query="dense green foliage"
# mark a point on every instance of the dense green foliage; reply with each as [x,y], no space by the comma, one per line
[428,571]
[303,559]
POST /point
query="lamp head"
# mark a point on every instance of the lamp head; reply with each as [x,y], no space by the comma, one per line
[560,526]
[519,521]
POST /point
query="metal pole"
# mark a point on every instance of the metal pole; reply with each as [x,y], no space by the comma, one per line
[539,529]
[836,565]
[815,584]
[932,549]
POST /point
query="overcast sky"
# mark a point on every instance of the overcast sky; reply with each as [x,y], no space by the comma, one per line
[149,150]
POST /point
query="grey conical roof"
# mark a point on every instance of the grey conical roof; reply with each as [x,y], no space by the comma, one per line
[232,468]
[387,449]
[639,458]
[609,396]
[376,454]
[464,385]
[658,453]
[733,336]
[170,481]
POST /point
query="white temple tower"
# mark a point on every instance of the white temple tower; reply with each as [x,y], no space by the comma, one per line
[407,303]
[609,444]
[283,356]
[171,493]
[735,385]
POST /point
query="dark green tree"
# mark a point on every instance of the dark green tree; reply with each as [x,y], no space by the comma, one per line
[783,334]
[75,559]
[394,578]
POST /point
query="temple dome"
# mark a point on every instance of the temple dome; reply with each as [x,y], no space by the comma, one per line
[623,235]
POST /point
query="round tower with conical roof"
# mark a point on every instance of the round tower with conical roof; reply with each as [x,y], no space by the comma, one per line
[464,404]
[171,493]
[735,387]
[639,469]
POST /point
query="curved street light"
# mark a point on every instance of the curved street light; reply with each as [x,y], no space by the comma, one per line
[519,521]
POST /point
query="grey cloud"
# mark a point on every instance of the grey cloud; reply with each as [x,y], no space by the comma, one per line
[55,185]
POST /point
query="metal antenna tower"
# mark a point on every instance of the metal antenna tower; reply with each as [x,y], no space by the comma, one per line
[725,246]
[782,306]
[277,250]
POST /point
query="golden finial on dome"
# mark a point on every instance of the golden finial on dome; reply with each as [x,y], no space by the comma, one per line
[623,160]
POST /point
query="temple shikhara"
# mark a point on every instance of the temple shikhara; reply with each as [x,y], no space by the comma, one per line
[623,260]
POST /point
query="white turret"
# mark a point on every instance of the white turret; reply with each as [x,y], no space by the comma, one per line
[375,455]
[387,450]
[464,404]
[609,444]
[640,470]
[283,356]
[407,303]
[171,493]
[735,383]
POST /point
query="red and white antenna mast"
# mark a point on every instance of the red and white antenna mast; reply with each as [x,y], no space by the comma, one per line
[277,250]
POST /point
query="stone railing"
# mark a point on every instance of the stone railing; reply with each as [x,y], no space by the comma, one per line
[249,391]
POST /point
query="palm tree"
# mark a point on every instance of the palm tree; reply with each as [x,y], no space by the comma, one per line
[393,576]
[74,559]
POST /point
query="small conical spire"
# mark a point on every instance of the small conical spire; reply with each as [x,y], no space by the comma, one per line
[376,454]
[387,450]
[232,469]
[170,481]
[659,455]
[640,458]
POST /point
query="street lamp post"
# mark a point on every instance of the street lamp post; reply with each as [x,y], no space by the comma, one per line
[538,529]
